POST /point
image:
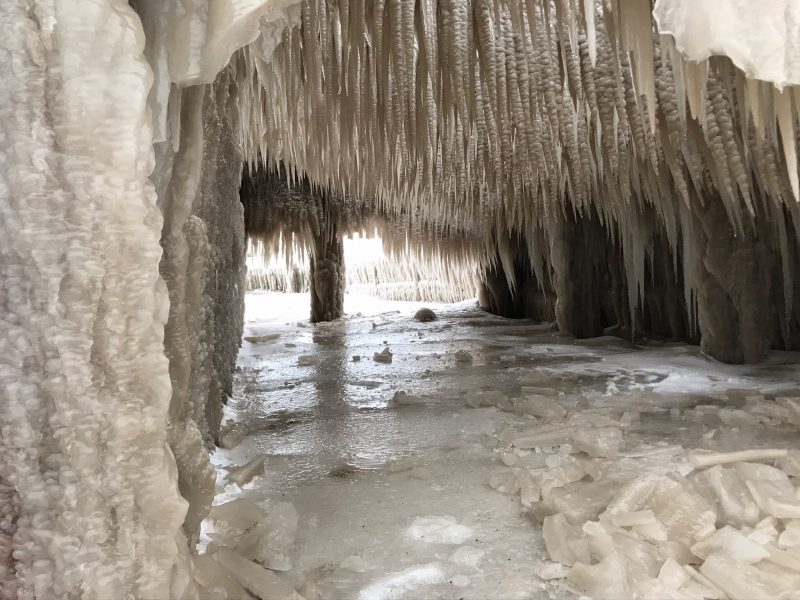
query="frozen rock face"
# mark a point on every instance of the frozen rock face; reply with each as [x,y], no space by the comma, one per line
[86,468]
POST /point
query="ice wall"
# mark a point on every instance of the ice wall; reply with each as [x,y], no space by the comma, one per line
[88,477]
[122,259]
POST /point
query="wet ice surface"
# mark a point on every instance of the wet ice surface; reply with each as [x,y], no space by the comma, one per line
[394,492]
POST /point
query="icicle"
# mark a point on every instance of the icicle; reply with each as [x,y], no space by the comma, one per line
[785,116]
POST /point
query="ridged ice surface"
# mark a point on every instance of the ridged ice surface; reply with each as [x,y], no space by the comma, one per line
[93,505]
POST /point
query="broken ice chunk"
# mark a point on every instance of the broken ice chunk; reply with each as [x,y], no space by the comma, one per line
[529,490]
[238,515]
[706,459]
[600,442]
[601,544]
[772,502]
[734,417]
[212,578]
[463,356]
[384,356]
[633,495]
[682,511]
[478,398]
[631,519]
[559,477]
[579,501]
[654,532]
[732,544]
[439,530]
[277,534]
[543,437]
[505,483]
[307,360]
[539,406]
[606,580]
[259,581]
[527,390]
[771,489]
[790,464]
[791,535]
[672,575]
[552,570]
[232,434]
[401,398]
[243,474]
[565,543]
[733,499]
[741,581]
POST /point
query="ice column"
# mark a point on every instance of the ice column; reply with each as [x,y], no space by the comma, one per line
[85,383]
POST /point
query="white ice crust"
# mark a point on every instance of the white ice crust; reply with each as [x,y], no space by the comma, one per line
[761,37]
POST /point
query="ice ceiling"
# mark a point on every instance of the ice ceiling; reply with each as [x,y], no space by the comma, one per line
[569,127]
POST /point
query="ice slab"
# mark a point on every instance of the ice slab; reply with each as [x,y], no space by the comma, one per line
[243,474]
[730,543]
[479,398]
[539,406]
[600,442]
[566,543]
[256,579]
[742,581]
[606,580]
[439,530]
[214,579]
[734,502]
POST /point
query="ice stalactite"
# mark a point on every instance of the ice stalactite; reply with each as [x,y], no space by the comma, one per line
[499,119]
[85,382]
[298,222]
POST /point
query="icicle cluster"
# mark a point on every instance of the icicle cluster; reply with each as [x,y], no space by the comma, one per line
[282,220]
[502,117]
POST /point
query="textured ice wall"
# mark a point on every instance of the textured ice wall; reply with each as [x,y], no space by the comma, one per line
[762,38]
[85,383]
[91,425]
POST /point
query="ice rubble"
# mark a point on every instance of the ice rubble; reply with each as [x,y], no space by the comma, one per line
[657,522]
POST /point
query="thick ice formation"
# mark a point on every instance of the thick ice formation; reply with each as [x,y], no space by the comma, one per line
[87,473]
[760,38]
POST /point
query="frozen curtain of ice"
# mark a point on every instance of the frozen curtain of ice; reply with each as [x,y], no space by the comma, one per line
[122,278]
[122,249]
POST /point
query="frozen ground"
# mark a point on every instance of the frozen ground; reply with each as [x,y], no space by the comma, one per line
[395,499]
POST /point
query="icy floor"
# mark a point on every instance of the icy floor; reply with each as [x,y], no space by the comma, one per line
[393,499]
